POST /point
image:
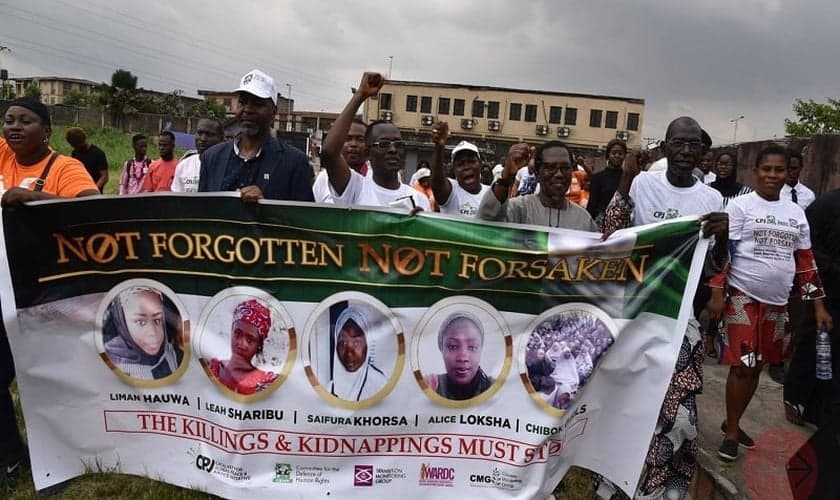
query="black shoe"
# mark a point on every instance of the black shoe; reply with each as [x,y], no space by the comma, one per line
[777,373]
[743,439]
[728,450]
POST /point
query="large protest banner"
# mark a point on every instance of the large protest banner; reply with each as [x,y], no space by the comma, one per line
[298,351]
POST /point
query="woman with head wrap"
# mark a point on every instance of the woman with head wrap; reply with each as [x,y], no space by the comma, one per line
[138,339]
[460,340]
[354,376]
[565,369]
[250,327]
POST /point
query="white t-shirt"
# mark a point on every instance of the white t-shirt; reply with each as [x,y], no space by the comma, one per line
[659,165]
[655,199]
[364,191]
[709,178]
[461,201]
[804,196]
[527,181]
[186,174]
[765,236]
[321,187]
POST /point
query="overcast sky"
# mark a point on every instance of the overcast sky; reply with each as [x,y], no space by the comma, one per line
[714,60]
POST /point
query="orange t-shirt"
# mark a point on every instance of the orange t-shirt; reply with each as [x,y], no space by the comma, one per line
[159,178]
[67,177]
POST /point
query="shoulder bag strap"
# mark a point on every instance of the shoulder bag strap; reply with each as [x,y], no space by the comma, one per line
[40,181]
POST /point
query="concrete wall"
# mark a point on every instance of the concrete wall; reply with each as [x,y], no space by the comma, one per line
[821,170]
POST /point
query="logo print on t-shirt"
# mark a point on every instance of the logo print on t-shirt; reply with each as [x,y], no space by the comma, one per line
[467,209]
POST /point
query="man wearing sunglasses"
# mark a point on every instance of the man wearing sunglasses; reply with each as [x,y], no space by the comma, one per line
[386,151]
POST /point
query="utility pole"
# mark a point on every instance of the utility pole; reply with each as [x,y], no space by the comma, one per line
[735,133]
[390,65]
[4,73]
[289,108]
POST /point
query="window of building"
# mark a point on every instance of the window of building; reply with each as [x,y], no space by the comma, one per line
[458,107]
[571,116]
[411,103]
[530,112]
[226,102]
[443,105]
[611,120]
[515,111]
[493,110]
[554,113]
[478,109]
[595,118]
[425,104]
[67,87]
[632,121]
[385,101]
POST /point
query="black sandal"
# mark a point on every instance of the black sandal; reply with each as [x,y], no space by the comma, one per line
[793,413]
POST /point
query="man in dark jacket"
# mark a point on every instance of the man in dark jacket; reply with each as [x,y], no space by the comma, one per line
[255,163]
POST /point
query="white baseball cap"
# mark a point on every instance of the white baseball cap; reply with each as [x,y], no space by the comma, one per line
[259,84]
[465,146]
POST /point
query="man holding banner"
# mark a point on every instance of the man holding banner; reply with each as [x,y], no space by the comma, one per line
[646,198]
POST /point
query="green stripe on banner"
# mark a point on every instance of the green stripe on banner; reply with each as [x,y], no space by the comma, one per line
[300,252]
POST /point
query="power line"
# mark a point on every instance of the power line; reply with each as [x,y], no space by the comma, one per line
[154,54]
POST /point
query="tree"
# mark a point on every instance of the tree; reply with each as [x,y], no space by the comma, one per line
[208,108]
[120,97]
[170,104]
[814,118]
[74,98]
[8,91]
[33,90]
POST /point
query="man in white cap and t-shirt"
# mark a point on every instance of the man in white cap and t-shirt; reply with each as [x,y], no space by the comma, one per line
[255,163]
[462,195]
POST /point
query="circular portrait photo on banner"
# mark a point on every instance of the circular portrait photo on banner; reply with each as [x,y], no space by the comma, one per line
[245,342]
[143,333]
[355,350]
[561,353]
[461,352]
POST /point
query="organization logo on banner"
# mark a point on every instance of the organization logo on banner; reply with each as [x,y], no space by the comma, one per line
[363,475]
[436,476]
[212,466]
[283,473]
[497,478]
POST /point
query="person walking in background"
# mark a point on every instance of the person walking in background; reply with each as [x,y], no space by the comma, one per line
[421,181]
[602,185]
[162,170]
[135,170]
[805,399]
[208,132]
[91,156]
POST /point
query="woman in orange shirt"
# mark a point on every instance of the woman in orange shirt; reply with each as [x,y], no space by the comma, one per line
[24,156]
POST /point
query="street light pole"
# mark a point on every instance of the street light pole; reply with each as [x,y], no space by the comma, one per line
[289,108]
[3,73]
[735,133]
[390,65]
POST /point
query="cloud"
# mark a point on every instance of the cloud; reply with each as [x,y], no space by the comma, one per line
[713,60]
